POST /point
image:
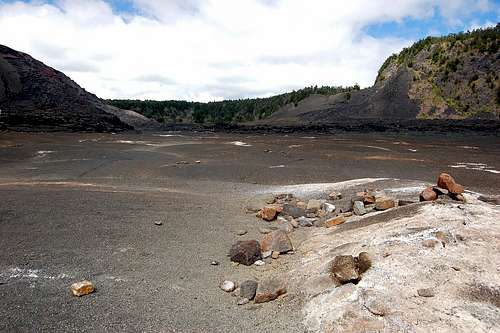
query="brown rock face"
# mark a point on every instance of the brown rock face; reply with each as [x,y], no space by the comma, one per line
[82,288]
[277,241]
[447,182]
[335,221]
[269,290]
[428,195]
[245,252]
[384,203]
[269,213]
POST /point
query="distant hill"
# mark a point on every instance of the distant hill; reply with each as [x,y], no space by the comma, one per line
[36,97]
[451,77]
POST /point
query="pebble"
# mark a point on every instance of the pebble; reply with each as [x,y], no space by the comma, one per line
[82,288]
[197,162]
[158,223]
[243,301]
[214,263]
[328,207]
[228,286]
[359,208]
[241,232]
[426,292]
[259,263]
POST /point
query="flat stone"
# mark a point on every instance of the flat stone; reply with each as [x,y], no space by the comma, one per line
[384,203]
[277,241]
[334,221]
[269,290]
[426,292]
[328,207]
[358,208]
[428,194]
[245,252]
[228,286]
[248,289]
[448,182]
[82,288]
[241,232]
[313,205]
[275,255]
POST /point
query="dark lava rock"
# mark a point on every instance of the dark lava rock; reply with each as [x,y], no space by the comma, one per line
[248,289]
[245,252]
[36,97]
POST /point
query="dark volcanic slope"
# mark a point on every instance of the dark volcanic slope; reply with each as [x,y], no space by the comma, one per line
[451,77]
[34,96]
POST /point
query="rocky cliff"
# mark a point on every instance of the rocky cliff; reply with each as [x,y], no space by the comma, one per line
[452,77]
[36,97]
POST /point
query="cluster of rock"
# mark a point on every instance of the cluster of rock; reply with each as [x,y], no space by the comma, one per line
[249,290]
[446,187]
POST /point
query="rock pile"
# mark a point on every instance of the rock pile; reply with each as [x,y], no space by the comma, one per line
[446,187]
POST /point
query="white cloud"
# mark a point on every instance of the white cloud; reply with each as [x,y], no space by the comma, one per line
[206,50]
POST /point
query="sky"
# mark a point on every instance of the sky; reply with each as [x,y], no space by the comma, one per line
[206,50]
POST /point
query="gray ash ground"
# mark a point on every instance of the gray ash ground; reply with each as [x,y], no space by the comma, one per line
[84,206]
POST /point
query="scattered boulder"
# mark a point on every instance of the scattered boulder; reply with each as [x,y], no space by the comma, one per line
[364,262]
[359,208]
[428,194]
[248,289]
[313,205]
[327,207]
[384,203]
[228,286]
[346,268]
[293,211]
[82,288]
[245,252]
[335,221]
[269,213]
[448,182]
[277,241]
[269,290]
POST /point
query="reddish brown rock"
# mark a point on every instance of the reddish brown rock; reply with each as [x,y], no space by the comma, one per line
[277,241]
[384,203]
[447,182]
[335,221]
[245,252]
[82,288]
[270,212]
[269,290]
[428,195]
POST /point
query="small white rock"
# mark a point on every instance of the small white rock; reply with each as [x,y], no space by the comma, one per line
[266,254]
[243,301]
[328,207]
[228,286]
[259,263]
